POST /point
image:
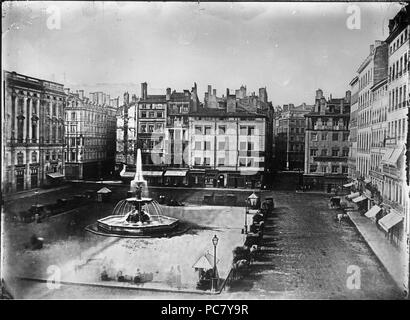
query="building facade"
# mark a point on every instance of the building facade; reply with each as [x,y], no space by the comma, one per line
[33,132]
[326,142]
[371,73]
[396,192]
[226,149]
[351,161]
[89,135]
[289,135]
[126,137]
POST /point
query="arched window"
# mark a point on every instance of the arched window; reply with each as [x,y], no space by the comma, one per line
[20,158]
[34,131]
[20,128]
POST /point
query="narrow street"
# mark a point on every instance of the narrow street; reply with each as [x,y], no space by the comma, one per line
[306,255]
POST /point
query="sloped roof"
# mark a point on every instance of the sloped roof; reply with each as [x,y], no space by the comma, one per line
[104,190]
[206,261]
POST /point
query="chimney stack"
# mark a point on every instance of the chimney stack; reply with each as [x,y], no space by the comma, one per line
[209,89]
[371,48]
[319,94]
[144,90]
[168,95]
[214,92]
[81,94]
[227,92]
[348,96]
[126,98]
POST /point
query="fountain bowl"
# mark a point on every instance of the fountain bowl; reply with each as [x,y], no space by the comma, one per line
[114,225]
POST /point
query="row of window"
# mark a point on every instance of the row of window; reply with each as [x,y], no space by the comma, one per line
[152,127]
[314,136]
[397,129]
[325,169]
[152,105]
[243,162]
[152,114]
[400,39]
[324,152]
[206,145]
[397,98]
[399,68]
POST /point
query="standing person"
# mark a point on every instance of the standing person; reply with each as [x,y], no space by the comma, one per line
[178,278]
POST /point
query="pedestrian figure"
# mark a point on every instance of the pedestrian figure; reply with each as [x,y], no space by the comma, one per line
[178,278]
[170,277]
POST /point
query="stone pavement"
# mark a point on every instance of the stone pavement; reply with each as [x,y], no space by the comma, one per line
[392,259]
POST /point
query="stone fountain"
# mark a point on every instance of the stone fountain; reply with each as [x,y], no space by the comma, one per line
[137,215]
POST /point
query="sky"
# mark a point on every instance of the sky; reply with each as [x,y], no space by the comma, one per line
[292,49]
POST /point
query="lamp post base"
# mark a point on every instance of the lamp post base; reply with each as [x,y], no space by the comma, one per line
[214,284]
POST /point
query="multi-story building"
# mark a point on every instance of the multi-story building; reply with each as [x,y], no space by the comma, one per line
[370,74]
[379,107]
[395,195]
[151,124]
[289,136]
[126,133]
[227,149]
[89,135]
[326,142]
[354,102]
[33,132]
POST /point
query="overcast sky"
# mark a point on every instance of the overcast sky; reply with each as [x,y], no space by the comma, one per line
[292,49]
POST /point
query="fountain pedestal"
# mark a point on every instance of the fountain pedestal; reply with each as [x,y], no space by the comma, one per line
[135,207]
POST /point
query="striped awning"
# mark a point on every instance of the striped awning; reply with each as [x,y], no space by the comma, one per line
[373,211]
[358,199]
[390,220]
[152,173]
[175,173]
[55,175]
[353,195]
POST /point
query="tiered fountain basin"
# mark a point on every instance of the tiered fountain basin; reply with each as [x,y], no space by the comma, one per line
[113,224]
[157,225]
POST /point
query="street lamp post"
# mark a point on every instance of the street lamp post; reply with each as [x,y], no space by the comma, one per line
[214,280]
[245,230]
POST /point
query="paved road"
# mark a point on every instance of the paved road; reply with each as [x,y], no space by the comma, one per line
[306,254]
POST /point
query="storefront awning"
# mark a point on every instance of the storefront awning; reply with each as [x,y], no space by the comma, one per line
[175,173]
[247,172]
[358,199]
[373,211]
[55,175]
[353,195]
[389,221]
[347,185]
[152,173]
[127,174]
[387,154]
[392,156]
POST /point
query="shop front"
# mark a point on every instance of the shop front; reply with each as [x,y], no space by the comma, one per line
[54,178]
[392,224]
[196,178]
[211,178]
[235,180]
[153,178]
[176,177]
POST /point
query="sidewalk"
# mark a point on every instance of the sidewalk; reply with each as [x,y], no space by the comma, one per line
[32,192]
[114,182]
[392,259]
